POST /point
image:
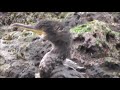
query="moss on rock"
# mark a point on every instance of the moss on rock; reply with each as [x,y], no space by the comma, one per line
[97,38]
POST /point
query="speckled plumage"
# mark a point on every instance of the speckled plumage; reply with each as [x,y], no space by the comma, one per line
[60,39]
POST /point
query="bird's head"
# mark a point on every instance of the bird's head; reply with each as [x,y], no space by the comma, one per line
[52,31]
[47,28]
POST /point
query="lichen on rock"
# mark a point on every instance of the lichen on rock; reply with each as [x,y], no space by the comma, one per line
[18,50]
[96,44]
[112,63]
[95,38]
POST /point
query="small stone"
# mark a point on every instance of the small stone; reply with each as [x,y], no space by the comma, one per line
[112,63]
[2,61]
[37,75]
[4,67]
[82,69]
[2,77]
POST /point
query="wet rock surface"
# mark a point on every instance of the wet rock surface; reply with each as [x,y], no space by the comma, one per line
[96,39]
[8,18]
[96,45]
[69,70]
[21,53]
[87,50]
[65,72]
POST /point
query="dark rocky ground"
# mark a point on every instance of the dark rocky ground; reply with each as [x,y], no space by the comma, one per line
[96,47]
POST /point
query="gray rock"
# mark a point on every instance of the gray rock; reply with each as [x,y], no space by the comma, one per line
[20,54]
[70,69]
[97,72]
[66,72]
[21,51]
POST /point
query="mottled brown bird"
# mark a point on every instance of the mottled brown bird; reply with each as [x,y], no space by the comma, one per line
[61,42]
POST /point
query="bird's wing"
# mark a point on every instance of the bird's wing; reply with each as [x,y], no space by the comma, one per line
[72,64]
[65,72]
[68,70]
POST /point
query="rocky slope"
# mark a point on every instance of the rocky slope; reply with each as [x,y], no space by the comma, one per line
[20,51]
[96,44]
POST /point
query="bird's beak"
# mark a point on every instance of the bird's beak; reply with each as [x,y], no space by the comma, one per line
[39,32]
[29,28]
